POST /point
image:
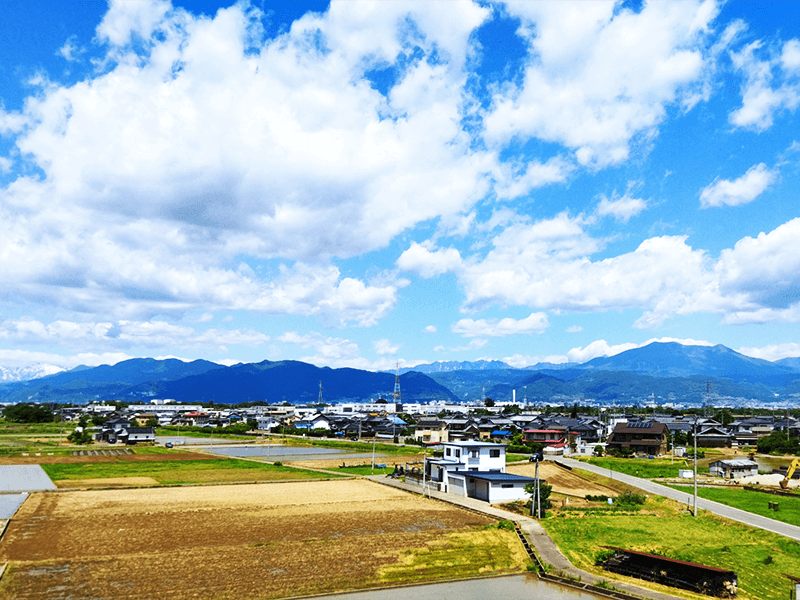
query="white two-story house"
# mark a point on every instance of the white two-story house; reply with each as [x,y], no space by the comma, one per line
[476,470]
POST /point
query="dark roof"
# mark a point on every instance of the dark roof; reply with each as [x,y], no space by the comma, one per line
[488,476]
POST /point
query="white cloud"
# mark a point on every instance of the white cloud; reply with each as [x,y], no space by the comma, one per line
[772,352]
[763,273]
[748,187]
[269,150]
[329,351]
[23,358]
[514,181]
[769,85]
[125,334]
[427,262]
[547,266]
[474,344]
[574,329]
[69,51]
[535,323]
[622,209]
[430,329]
[598,76]
[384,347]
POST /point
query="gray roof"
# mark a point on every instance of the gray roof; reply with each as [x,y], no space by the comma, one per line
[497,477]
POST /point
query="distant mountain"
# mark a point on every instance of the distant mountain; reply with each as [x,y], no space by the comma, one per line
[83,384]
[295,381]
[35,371]
[448,366]
[665,372]
[203,381]
[671,359]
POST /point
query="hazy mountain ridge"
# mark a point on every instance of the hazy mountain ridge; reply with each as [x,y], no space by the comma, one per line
[664,371]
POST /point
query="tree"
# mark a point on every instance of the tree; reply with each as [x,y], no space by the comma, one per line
[151,422]
[544,492]
[80,436]
[489,403]
[778,442]
[28,413]
[574,413]
[598,450]
[252,424]
[99,420]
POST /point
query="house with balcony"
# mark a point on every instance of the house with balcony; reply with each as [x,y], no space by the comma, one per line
[474,470]
[644,437]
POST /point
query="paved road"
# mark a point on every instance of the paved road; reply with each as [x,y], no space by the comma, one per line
[735,514]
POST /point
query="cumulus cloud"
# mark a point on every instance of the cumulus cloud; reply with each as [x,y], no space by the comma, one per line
[276,149]
[430,329]
[763,273]
[535,323]
[384,347]
[622,209]
[772,352]
[428,262]
[770,83]
[745,189]
[547,265]
[599,77]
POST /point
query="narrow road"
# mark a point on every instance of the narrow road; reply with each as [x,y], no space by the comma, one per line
[533,530]
[735,514]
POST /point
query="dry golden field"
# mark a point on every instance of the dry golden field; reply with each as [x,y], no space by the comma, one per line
[563,481]
[242,541]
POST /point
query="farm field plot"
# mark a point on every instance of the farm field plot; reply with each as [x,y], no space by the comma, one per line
[164,469]
[563,481]
[243,541]
[664,527]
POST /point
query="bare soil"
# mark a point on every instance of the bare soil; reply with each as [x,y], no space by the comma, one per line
[563,481]
[241,541]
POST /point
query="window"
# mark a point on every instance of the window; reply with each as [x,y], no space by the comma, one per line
[458,453]
[493,453]
[474,453]
[508,485]
[447,451]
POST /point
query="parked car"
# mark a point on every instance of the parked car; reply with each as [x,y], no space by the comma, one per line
[168,445]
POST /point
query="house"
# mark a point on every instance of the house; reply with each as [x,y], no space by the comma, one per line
[646,437]
[546,437]
[732,468]
[475,470]
[714,437]
[431,431]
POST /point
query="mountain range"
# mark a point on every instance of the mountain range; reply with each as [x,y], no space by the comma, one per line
[662,372]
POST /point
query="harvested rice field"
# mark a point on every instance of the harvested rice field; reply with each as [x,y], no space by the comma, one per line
[243,541]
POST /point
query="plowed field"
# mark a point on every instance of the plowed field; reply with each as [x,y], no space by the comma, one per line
[563,481]
[243,541]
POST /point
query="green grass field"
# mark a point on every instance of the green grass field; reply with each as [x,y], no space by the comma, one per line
[754,502]
[760,558]
[647,468]
[169,472]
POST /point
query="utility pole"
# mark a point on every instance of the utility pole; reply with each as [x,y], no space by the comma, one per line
[695,465]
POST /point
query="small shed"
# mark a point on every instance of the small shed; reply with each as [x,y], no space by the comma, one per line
[732,468]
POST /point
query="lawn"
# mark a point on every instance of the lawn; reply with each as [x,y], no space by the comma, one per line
[760,558]
[647,468]
[168,472]
[754,502]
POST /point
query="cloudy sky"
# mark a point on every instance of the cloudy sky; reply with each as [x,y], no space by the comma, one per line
[364,183]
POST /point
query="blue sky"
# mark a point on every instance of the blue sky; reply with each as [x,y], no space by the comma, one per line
[360,184]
